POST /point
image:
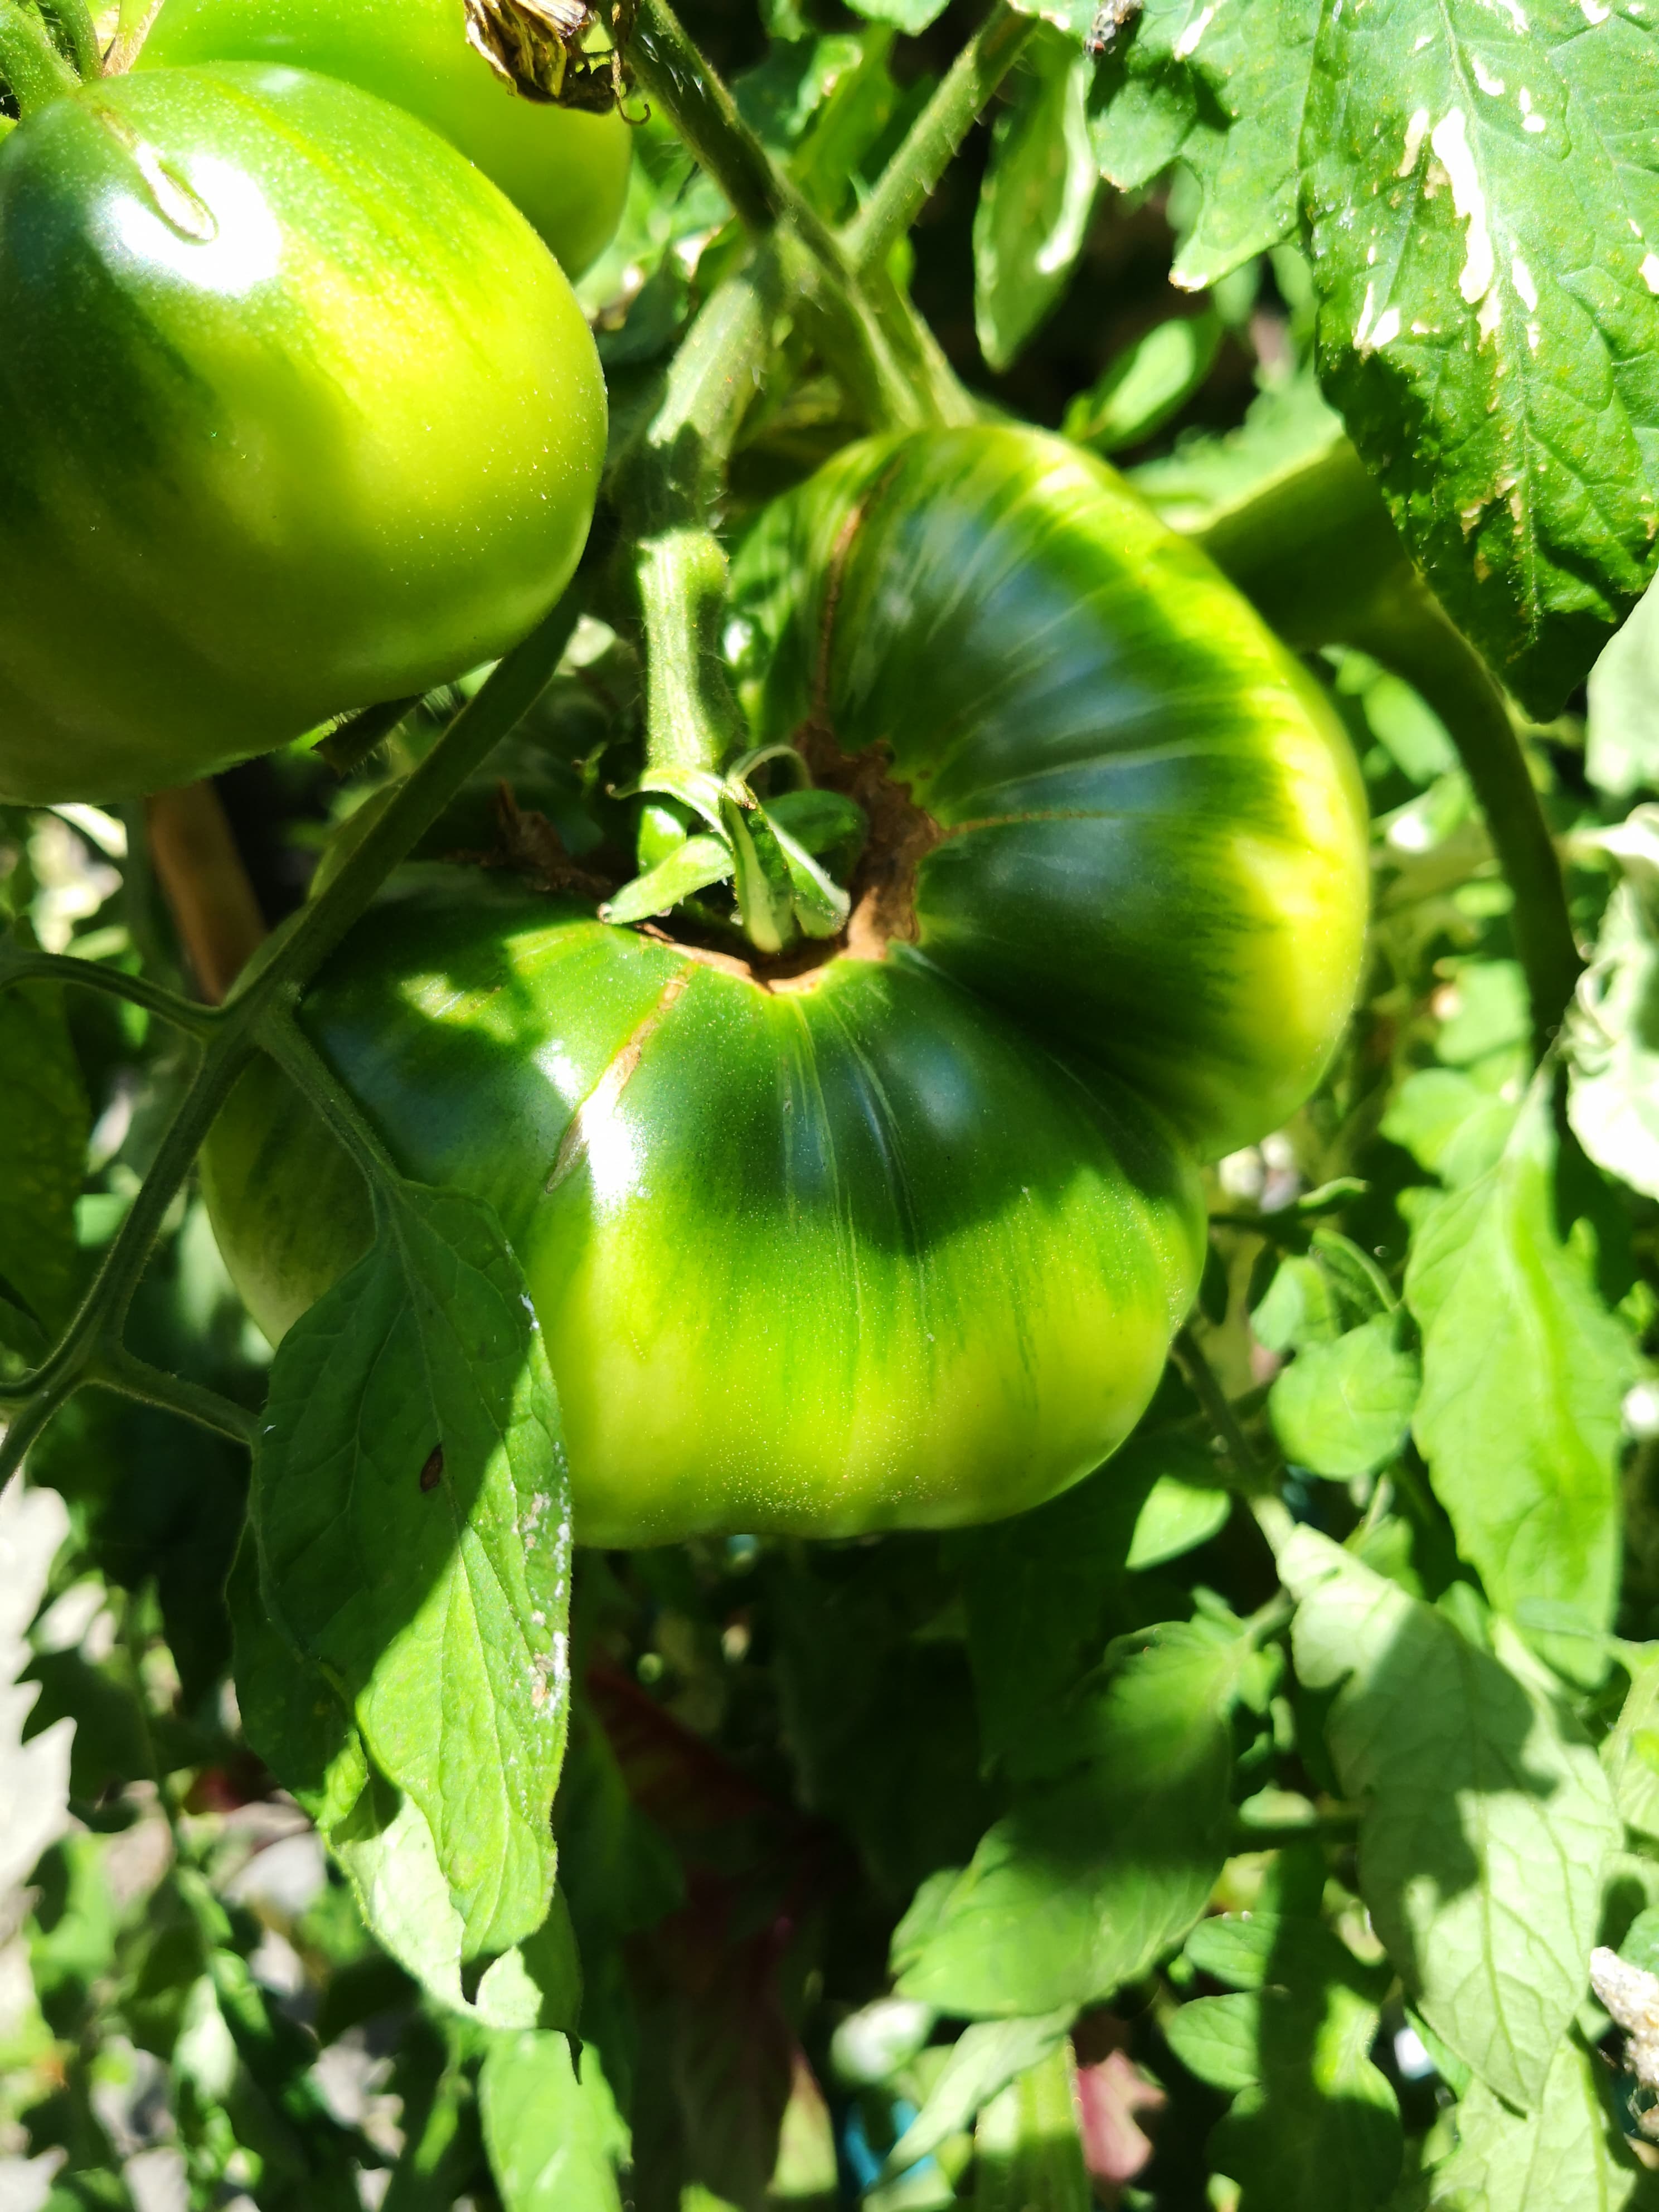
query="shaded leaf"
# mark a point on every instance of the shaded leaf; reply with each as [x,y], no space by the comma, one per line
[1028,2153]
[1631,1751]
[440,1608]
[1177,1518]
[1612,1031]
[1149,381]
[1096,1875]
[1487,1820]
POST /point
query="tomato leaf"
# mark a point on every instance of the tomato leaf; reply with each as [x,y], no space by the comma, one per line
[1037,197]
[1223,87]
[1095,1875]
[1523,1371]
[1480,199]
[983,2060]
[1028,2150]
[44,1124]
[1486,1818]
[1621,728]
[1567,2152]
[1345,1408]
[411,1503]
[1315,2127]
[555,2140]
[1613,1067]
[1630,1753]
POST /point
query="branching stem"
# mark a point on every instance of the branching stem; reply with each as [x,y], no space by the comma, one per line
[23,963]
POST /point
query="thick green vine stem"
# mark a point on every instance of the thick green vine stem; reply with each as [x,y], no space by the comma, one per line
[35,71]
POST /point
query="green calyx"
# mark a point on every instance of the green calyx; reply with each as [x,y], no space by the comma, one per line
[767,848]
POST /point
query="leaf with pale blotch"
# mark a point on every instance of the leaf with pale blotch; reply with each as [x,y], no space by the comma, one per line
[1482,188]
[1487,1823]
[411,1509]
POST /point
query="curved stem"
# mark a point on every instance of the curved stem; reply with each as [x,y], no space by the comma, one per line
[32,66]
[74,20]
[910,178]
[1408,631]
[22,963]
[24,1427]
[116,1369]
[281,1035]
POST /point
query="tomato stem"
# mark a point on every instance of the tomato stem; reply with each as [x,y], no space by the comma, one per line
[35,70]
[73,20]
[21,963]
[910,178]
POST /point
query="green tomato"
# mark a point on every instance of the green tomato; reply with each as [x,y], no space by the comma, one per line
[568,173]
[900,1241]
[300,416]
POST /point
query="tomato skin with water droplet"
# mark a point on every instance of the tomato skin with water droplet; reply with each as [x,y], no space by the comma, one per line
[901,1241]
[566,171]
[300,416]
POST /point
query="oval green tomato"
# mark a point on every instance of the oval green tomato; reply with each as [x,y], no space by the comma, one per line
[900,1241]
[567,172]
[300,415]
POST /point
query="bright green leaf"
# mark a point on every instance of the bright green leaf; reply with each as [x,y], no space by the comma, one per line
[1631,1751]
[1094,1876]
[553,2139]
[1523,1372]
[1481,188]
[1036,199]
[1612,1033]
[690,868]
[1345,1409]
[1149,381]
[1486,1821]
[1177,1518]
[907,15]
[1566,2156]
[1621,731]
[412,1514]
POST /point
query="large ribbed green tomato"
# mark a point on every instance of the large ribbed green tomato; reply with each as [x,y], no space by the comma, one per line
[567,172]
[298,415]
[900,1241]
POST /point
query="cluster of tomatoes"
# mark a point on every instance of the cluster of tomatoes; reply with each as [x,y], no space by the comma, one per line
[302,415]
[302,412]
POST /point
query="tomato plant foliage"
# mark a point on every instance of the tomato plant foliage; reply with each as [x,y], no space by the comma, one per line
[843,1391]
